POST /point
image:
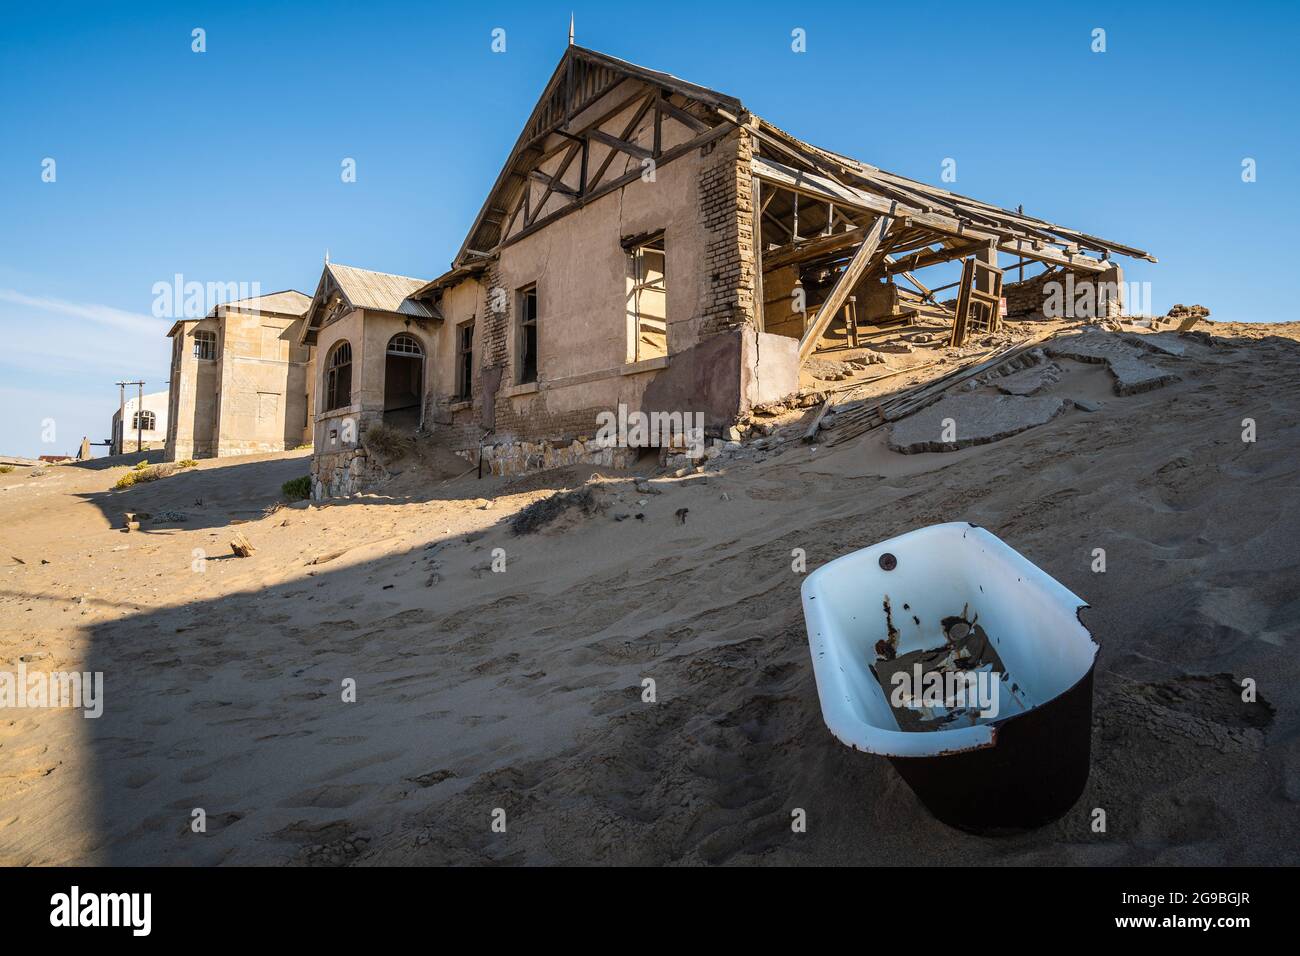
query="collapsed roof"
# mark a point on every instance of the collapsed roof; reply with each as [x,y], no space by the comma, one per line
[925,225]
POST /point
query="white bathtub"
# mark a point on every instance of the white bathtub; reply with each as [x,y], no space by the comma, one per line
[943,572]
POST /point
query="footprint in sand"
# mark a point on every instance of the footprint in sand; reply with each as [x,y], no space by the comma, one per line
[138,778]
[330,796]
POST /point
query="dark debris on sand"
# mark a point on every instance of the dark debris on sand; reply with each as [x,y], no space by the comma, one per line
[545,510]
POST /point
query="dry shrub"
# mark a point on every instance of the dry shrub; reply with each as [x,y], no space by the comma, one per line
[388,443]
[139,475]
[297,489]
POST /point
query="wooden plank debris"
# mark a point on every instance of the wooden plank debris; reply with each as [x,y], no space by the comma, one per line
[811,434]
[850,423]
[977,307]
[839,294]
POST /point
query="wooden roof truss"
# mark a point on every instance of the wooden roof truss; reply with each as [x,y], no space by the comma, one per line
[593,130]
[600,119]
[818,211]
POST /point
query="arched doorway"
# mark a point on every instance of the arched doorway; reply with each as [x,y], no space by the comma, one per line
[403,381]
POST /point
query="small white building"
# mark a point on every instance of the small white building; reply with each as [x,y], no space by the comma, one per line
[146,427]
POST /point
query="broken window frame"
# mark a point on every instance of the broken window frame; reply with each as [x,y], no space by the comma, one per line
[638,284]
[527,335]
[464,360]
[150,421]
[338,374]
[205,345]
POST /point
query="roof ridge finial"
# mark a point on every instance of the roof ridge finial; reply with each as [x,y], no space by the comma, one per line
[570,28]
[327,255]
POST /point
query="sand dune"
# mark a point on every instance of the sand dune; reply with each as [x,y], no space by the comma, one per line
[522,691]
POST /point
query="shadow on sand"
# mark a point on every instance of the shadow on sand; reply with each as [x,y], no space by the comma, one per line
[470,689]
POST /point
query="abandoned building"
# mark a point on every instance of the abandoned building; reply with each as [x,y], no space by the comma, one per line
[650,243]
[239,379]
[650,246]
[374,345]
[146,423]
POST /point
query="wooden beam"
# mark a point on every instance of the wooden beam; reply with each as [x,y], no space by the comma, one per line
[553,183]
[927,295]
[820,187]
[665,80]
[956,200]
[778,223]
[694,122]
[646,103]
[811,248]
[682,149]
[567,128]
[564,127]
[613,142]
[839,294]
[925,258]
[845,220]
[811,434]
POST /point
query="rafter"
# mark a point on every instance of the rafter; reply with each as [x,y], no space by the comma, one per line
[848,279]
[614,142]
[553,183]
[811,249]
[646,104]
[820,187]
[664,105]
[574,149]
[704,139]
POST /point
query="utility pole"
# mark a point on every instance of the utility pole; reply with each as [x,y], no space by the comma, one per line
[121,416]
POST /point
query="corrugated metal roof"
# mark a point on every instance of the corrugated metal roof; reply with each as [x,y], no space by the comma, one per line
[380,290]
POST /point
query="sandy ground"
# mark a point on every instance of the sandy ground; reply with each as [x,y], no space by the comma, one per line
[522,691]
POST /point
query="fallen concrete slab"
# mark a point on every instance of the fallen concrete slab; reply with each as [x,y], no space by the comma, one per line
[1166,343]
[971,419]
[1030,380]
[1126,362]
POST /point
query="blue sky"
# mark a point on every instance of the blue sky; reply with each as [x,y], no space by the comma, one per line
[224,166]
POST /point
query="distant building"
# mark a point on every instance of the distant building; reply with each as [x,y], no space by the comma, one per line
[239,379]
[146,427]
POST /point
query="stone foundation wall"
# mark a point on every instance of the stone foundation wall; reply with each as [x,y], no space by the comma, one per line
[517,457]
[345,472]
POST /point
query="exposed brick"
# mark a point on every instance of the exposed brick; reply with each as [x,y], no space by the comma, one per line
[727,212]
